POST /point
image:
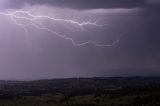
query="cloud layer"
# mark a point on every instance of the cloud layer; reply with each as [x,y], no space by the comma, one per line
[135,23]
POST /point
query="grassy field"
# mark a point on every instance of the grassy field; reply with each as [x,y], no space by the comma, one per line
[83,100]
[85,92]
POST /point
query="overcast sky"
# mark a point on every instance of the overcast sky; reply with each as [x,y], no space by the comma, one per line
[133,24]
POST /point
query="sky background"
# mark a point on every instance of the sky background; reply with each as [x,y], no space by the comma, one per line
[134,23]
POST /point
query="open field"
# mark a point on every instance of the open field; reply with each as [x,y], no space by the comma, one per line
[115,91]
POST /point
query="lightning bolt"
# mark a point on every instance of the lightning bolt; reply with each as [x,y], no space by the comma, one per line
[23,19]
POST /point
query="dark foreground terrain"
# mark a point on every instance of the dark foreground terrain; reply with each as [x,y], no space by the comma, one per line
[114,91]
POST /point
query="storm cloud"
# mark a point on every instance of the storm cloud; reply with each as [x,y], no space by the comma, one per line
[134,23]
[81,4]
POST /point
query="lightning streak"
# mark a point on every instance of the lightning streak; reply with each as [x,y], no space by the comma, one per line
[18,16]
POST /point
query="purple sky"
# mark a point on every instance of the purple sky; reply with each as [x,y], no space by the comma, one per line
[130,29]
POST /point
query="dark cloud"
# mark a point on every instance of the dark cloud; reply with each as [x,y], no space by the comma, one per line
[83,4]
[153,1]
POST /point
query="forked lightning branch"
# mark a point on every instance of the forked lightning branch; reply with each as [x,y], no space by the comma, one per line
[30,20]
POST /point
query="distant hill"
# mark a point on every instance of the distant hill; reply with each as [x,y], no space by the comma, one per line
[73,84]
